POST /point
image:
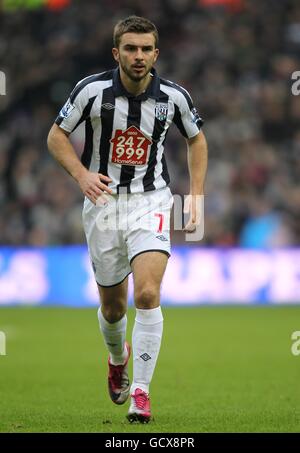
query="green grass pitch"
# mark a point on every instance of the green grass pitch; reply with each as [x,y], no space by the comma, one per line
[221,369]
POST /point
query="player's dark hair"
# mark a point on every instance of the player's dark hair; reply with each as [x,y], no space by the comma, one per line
[134,24]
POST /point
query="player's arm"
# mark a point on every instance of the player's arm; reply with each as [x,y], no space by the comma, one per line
[92,184]
[197,166]
[197,163]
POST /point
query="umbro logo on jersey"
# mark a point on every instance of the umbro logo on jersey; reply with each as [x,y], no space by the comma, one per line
[162,238]
[107,106]
[145,357]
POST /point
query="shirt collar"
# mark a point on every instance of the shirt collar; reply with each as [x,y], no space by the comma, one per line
[152,90]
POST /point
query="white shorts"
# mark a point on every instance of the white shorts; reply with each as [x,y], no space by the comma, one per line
[125,227]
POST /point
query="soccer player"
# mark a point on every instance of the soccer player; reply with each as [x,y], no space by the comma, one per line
[127,112]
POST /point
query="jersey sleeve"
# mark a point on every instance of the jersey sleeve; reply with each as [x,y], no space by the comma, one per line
[186,116]
[74,110]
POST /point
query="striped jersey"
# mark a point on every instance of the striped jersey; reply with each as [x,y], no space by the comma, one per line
[125,134]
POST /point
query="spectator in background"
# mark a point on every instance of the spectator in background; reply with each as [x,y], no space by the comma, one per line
[265,228]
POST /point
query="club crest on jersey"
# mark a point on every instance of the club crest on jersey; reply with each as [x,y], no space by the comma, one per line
[66,110]
[161,111]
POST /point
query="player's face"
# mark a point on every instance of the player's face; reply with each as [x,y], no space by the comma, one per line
[136,54]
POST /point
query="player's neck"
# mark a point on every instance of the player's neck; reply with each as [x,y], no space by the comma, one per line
[135,88]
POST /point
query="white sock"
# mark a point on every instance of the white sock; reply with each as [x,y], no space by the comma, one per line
[146,339]
[114,335]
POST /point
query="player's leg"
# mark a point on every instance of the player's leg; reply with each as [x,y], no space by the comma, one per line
[113,322]
[148,270]
[108,254]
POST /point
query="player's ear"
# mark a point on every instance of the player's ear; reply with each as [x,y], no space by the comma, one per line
[156,53]
[115,53]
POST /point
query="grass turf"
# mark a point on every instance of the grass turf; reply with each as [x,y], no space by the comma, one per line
[221,369]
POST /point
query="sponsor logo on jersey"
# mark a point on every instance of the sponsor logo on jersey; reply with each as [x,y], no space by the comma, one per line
[130,147]
[161,111]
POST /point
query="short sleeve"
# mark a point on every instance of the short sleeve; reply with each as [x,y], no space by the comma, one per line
[74,110]
[186,116]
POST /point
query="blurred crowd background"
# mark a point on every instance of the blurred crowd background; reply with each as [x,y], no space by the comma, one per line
[236,58]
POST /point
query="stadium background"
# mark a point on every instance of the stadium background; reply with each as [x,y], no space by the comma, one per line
[237,58]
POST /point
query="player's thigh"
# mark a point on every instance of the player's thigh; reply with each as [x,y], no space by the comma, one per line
[148,270]
[108,253]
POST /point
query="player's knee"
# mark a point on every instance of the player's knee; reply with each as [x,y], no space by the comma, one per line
[113,312]
[147,297]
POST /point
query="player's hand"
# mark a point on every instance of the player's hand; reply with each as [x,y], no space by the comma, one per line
[93,186]
[193,207]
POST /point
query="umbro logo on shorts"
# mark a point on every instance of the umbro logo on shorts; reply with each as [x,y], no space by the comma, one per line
[145,357]
[107,106]
[162,238]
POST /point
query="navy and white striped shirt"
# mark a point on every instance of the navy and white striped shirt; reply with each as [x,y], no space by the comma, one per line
[125,134]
